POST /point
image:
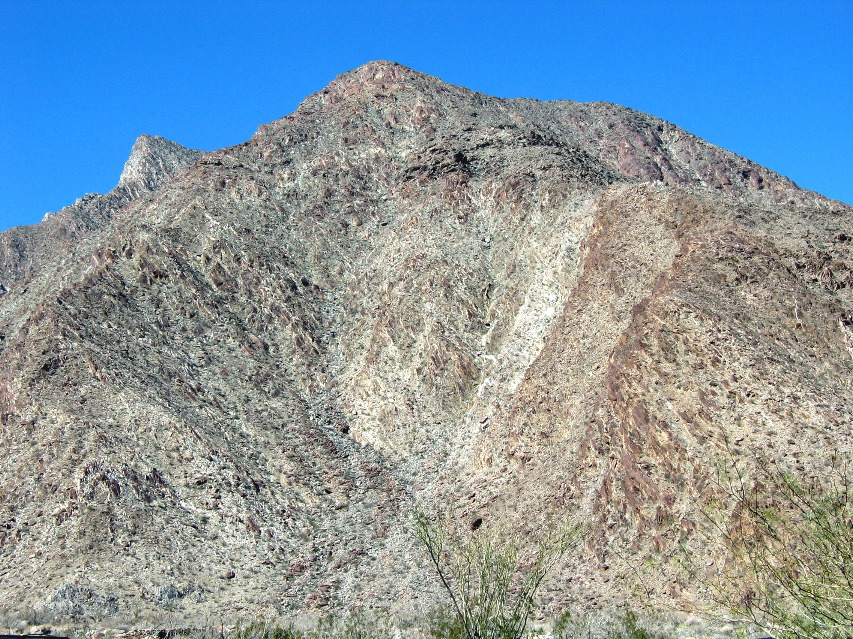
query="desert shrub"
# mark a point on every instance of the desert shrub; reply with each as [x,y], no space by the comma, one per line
[629,627]
[623,624]
[264,630]
[789,540]
[444,623]
[361,625]
[491,579]
[358,624]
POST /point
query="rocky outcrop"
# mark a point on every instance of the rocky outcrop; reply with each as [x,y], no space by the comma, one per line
[153,160]
[408,292]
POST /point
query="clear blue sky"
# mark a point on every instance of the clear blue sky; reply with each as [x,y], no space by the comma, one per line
[79,81]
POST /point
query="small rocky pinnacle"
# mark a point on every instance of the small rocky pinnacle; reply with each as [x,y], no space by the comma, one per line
[153,159]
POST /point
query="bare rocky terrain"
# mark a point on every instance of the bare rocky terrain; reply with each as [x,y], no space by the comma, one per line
[226,384]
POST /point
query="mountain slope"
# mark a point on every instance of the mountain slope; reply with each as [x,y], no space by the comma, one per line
[233,395]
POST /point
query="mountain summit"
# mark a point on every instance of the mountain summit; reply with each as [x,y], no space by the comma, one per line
[227,388]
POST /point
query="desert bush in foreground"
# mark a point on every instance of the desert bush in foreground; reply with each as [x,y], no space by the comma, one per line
[623,625]
[354,625]
[790,540]
[262,630]
[492,581]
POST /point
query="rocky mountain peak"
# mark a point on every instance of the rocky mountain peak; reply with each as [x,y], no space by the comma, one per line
[379,73]
[152,160]
[381,81]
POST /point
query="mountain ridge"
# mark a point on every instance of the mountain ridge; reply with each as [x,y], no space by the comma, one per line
[152,161]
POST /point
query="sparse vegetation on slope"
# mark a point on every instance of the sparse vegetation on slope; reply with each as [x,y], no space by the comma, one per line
[789,540]
[492,580]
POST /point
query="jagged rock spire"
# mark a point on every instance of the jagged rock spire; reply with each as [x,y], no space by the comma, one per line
[153,159]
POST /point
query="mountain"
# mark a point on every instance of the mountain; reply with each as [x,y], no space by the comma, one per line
[226,385]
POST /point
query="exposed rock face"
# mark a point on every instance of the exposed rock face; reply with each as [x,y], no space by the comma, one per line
[231,397]
[152,161]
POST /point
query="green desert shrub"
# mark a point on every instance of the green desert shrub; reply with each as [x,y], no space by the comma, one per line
[444,623]
[789,542]
[491,579]
[264,630]
[617,624]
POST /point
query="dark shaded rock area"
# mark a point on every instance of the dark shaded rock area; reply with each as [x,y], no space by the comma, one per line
[225,384]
